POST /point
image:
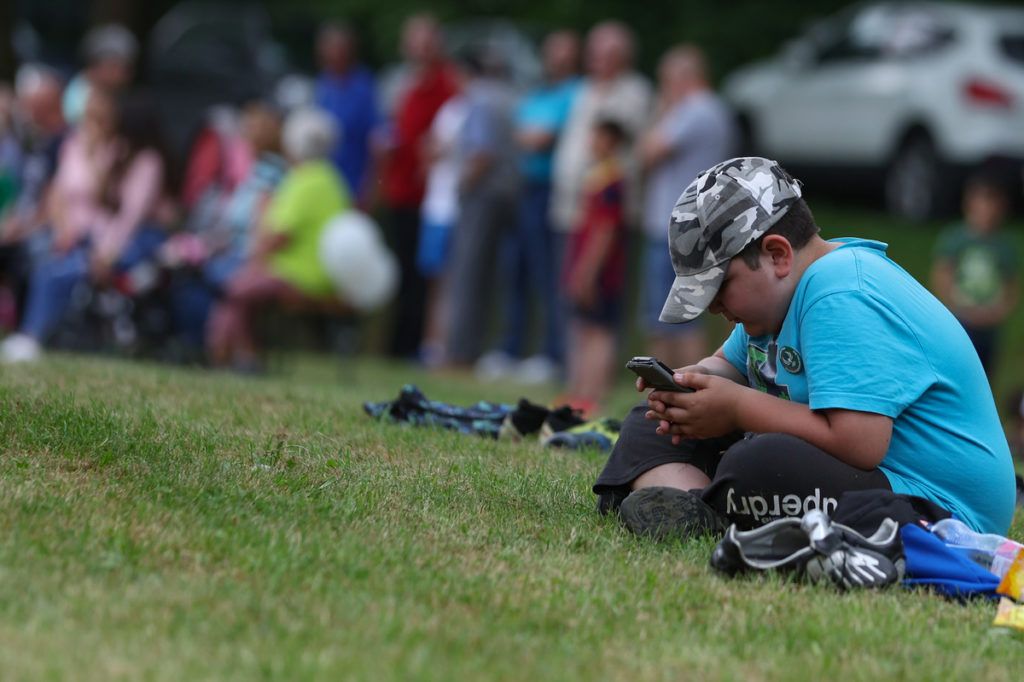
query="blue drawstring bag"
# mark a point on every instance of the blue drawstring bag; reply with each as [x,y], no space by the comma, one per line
[932,563]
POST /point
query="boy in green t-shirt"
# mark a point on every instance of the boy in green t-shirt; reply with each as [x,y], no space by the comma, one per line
[975,268]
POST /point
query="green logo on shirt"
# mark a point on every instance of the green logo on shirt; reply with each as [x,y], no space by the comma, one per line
[791,360]
[761,372]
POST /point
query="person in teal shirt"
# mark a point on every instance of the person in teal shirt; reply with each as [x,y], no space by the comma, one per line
[531,260]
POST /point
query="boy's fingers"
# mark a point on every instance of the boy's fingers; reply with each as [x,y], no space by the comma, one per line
[692,380]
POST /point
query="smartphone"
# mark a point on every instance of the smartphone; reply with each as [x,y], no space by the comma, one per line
[656,374]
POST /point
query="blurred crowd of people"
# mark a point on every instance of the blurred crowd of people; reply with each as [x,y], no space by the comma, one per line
[517,209]
[505,208]
[105,243]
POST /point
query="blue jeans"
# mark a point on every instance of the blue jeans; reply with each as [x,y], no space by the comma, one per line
[530,272]
[55,275]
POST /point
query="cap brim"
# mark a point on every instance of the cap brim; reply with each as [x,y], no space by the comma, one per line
[690,295]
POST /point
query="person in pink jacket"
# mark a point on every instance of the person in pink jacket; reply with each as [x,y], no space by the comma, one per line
[108,207]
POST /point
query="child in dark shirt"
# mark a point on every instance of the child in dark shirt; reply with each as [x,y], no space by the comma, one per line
[975,269]
[595,271]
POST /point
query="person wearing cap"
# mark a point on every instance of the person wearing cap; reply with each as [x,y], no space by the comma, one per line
[842,373]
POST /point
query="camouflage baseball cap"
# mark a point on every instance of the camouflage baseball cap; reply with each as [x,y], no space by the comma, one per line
[725,208]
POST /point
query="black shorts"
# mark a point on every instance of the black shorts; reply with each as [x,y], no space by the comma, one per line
[755,478]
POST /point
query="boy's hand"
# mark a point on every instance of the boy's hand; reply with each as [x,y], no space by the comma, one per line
[708,412]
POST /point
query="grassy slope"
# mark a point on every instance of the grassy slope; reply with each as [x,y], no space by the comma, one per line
[169,524]
[158,523]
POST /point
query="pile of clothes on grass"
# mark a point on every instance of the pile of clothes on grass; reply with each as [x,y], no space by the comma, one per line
[560,426]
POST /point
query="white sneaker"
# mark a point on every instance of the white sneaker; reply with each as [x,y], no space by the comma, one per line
[18,348]
[537,369]
[494,366]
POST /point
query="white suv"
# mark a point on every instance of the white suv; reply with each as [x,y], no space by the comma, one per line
[914,93]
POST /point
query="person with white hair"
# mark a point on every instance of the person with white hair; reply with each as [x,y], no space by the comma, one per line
[28,157]
[110,51]
[284,266]
[30,148]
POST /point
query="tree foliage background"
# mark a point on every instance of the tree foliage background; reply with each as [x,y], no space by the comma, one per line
[732,32]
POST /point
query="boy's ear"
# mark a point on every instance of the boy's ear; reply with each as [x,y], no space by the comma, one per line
[780,252]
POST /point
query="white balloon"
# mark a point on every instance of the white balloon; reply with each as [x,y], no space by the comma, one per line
[364,272]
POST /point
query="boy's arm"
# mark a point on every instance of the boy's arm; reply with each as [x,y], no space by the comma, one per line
[718,406]
[718,365]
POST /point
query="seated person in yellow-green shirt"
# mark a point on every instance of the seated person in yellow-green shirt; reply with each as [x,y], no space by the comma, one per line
[284,267]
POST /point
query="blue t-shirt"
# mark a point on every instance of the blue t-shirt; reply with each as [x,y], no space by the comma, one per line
[351,99]
[862,334]
[546,108]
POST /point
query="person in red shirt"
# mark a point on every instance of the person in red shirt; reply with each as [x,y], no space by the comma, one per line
[430,82]
[595,271]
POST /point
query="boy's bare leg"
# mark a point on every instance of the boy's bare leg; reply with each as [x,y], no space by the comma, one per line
[672,475]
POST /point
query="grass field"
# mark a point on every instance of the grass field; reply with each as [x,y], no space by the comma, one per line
[171,524]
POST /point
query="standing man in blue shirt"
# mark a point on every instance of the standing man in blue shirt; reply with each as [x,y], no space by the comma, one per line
[531,269]
[346,89]
[842,373]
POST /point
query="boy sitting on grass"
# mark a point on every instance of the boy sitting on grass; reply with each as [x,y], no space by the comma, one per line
[842,373]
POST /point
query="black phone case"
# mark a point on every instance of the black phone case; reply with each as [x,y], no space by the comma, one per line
[657,374]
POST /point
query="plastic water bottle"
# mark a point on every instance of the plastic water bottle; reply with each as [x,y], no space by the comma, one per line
[990,551]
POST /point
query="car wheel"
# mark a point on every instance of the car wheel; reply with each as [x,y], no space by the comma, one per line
[915,182]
